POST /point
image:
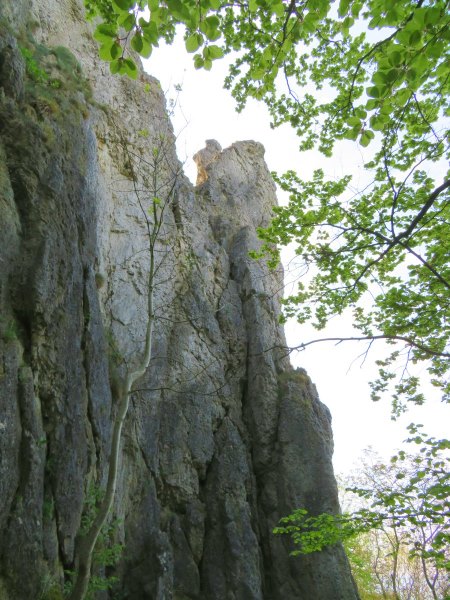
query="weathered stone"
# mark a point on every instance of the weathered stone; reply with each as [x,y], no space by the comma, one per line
[12,68]
[223,437]
[204,158]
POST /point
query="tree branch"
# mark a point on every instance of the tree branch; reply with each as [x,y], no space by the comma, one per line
[425,208]
[365,338]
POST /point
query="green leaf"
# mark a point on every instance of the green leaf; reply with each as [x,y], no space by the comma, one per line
[360,112]
[158,17]
[104,32]
[137,43]
[215,52]
[379,77]
[309,23]
[267,57]
[346,24]
[415,38]
[198,61]
[379,122]
[356,8]
[354,122]
[120,6]
[434,50]
[351,134]
[277,8]
[375,91]
[420,63]
[114,66]
[193,42]
[181,11]
[375,22]
[257,74]
[213,34]
[110,50]
[105,51]
[395,58]
[343,7]
[127,21]
[116,50]
[147,48]
[432,15]
[212,21]
[371,104]
[412,75]
[392,75]
[129,68]
[150,33]
[210,27]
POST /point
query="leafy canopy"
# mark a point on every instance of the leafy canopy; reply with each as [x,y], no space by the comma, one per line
[375,73]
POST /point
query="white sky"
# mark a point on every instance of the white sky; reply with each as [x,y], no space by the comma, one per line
[206,111]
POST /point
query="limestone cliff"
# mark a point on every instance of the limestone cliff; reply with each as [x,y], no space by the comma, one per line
[223,437]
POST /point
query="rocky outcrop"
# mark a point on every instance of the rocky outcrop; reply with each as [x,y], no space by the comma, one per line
[223,437]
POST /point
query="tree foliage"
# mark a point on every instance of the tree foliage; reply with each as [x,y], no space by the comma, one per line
[383,569]
[372,72]
[404,508]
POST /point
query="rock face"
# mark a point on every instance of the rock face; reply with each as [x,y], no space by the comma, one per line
[223,437]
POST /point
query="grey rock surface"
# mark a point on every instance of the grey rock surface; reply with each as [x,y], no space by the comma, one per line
[223,437]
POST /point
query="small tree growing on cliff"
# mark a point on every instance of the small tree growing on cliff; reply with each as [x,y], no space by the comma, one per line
[154,183]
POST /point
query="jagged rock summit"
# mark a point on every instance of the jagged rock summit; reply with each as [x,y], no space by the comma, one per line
[205,157]
[222,437]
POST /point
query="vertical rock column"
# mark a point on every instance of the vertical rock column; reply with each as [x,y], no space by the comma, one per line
[279,440]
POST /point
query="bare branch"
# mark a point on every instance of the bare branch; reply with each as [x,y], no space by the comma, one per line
[365,338]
